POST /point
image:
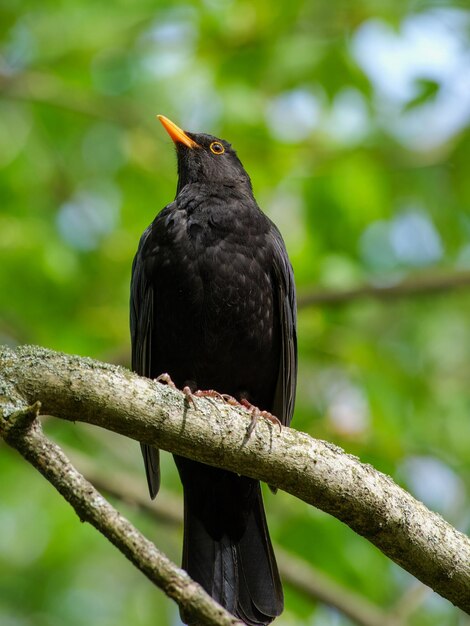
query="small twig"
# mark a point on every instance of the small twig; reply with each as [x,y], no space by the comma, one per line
[408,603]
[21,421]
[314,583]
[23,432]
[47,89]
[409,287]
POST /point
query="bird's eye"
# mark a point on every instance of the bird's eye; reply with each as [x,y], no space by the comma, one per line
[217,148]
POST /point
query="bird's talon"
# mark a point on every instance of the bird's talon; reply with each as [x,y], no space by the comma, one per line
[255,413]
[208,393]
[166,380]
[254,418]
[273,419]
[189,396]
[228,399]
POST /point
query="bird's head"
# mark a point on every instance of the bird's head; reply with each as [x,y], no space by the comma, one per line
[205,159]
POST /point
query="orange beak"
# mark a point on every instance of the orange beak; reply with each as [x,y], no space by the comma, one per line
[175,132]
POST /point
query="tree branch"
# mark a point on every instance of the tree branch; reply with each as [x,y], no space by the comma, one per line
[297,573]
[23,432]
[317,472]
[165,509]
[421,286]
[311,582]
[45,88]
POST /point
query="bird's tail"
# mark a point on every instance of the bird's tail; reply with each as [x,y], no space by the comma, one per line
[233,561]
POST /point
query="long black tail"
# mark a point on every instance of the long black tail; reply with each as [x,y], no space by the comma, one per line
[226,545]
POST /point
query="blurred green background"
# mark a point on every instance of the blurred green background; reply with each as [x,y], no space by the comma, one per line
[352,120]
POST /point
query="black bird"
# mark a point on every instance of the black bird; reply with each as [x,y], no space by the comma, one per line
[213,304]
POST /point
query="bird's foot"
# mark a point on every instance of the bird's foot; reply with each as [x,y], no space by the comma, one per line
[201,393]
[228,399]
[256,413]
[208,393]
[225,397]
[189,396]
[254,410]
[166,380]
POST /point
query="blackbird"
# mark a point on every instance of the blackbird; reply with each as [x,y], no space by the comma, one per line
[213,305]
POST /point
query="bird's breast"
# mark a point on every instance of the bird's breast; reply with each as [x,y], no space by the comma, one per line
[215,272]
[212,280]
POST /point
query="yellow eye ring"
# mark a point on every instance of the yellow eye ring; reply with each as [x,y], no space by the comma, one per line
[217,148]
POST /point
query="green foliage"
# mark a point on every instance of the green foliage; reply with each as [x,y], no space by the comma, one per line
[352,120]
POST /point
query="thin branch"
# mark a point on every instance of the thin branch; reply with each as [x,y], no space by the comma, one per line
[317,472]
[422,286]
[411,599]
[295,572]
[311,582]
[43,88]
[23,432]
[166,509]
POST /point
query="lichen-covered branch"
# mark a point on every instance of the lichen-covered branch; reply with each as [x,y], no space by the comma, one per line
[23,432]
[297,573]
[319,473]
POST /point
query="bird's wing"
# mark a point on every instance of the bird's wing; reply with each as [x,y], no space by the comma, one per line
[284,286]
[141,322]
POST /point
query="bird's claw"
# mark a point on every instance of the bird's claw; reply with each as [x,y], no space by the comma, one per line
[256,413]
[225,397]
[201,393]
[228,399]
[165,379]
[208,393]
[189,396]
[254,410]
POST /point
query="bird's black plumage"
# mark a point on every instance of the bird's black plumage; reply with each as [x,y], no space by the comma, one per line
[213,304]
